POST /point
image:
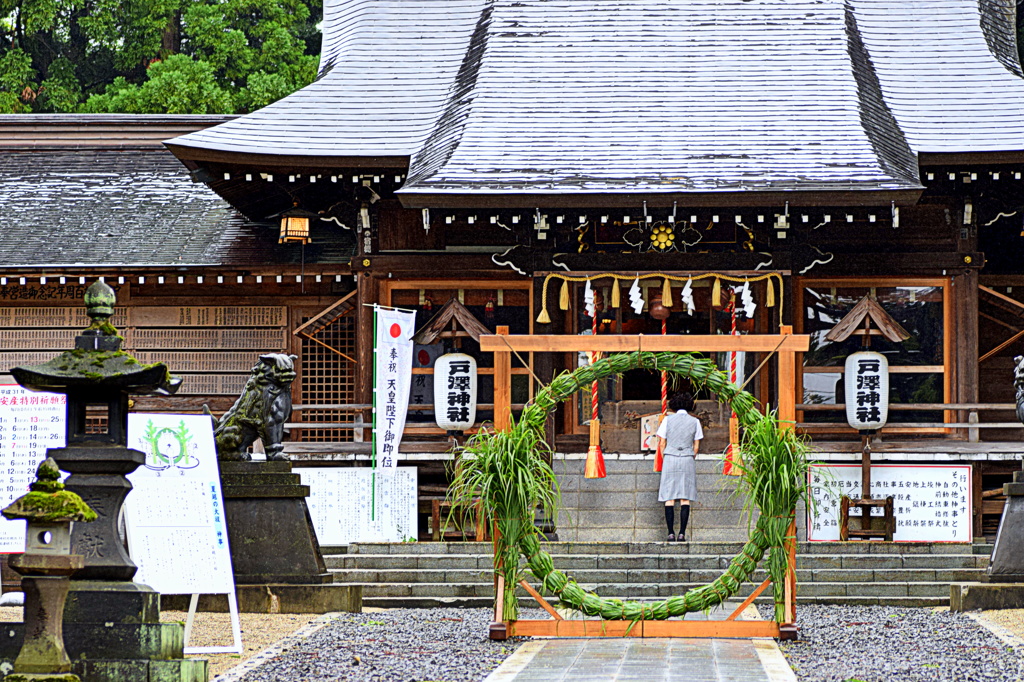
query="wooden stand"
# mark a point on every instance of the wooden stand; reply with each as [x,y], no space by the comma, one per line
[728,628]
[866,504]
[786,345]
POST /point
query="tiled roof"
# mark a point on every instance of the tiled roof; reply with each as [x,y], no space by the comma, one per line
[657,96]
[949,71]
[651,97]
[130,208]
[385,71]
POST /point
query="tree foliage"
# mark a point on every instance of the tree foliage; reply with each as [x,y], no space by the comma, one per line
[154,56]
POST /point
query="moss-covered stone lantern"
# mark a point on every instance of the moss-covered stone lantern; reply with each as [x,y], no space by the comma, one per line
[98,377]
[45,567]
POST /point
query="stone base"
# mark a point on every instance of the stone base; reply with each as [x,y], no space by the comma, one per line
[112,632]
[271,535]
[42,677]
[101,601]
[277,598]
[192,670]
[985,596]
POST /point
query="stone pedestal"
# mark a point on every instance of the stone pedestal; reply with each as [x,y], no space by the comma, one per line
[271,535]
[98,476]
[1008,554]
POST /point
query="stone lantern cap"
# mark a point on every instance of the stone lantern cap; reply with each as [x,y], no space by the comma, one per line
[47,501]
[97,361]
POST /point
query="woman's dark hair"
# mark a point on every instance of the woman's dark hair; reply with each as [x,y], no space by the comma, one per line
[681,401]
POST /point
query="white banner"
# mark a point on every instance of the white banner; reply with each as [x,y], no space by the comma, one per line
[392,382]
[932,502]
[30,423]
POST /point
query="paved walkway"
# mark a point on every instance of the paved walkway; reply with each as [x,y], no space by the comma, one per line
[639,660]
[642,660]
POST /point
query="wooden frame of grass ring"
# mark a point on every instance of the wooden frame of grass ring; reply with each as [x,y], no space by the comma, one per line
[785,344]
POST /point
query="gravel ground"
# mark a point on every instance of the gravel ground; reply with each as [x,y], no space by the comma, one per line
[259,631]
[883,644]
[399,645]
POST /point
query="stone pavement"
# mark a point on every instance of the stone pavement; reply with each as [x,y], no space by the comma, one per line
[637,660]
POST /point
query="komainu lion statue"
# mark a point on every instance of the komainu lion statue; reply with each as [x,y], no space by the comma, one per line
[1018,385]
[260,412]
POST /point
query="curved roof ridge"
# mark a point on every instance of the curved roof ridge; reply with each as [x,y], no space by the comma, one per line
[945,70]
[742,95]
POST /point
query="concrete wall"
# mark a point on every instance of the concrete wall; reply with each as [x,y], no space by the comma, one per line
[624,507]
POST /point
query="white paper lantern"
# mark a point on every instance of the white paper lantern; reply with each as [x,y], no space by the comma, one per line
[455,391]
[867,390]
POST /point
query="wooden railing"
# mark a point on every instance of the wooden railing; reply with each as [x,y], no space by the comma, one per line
[973,425]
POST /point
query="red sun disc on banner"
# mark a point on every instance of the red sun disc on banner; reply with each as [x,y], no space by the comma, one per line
[396,330]
[424,357]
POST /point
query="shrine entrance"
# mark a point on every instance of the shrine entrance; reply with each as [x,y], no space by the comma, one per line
[786,345]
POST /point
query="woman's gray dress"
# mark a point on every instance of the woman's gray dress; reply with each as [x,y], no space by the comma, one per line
[678,471]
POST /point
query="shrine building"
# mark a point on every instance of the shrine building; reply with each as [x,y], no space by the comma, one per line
[743,167]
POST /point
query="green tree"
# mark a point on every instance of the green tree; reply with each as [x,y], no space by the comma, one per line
[154,56]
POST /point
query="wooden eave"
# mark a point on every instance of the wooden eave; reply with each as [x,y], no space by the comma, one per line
[583,200]
[451,311]
[188,154]
[929,159]
[868,307]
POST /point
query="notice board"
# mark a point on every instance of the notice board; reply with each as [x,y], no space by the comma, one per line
[175,514]
[30,423]
[361,505]
[932,502]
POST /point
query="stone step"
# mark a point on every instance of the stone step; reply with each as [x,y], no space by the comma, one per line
[663,590]
[576,562]
[663,548]
[660,576]
[526,602]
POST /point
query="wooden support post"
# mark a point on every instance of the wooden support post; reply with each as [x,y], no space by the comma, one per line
[787,383]
[789,612]
[865,467]
[502,385]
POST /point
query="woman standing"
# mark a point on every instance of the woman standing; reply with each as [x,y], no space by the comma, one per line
[679,435]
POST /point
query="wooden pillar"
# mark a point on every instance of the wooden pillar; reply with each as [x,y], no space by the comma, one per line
[964,292]
[367,287]
[787,383]
[502,385]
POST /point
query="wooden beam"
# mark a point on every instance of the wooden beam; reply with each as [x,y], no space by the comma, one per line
[643,628]
[1001,297]
[540,600]
[746,602]
[706,343]
[1000,347]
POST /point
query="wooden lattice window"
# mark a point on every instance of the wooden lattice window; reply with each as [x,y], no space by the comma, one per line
[327,378]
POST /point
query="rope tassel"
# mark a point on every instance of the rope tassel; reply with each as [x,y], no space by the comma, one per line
[563,296]
[769,299]
[616,295]
[666,294]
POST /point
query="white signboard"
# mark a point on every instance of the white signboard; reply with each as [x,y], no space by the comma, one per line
[932,501]
[392,381]
[174,515]
[340,501]
[867,390]
[455,391]
[30,423]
